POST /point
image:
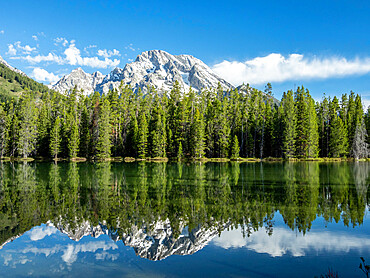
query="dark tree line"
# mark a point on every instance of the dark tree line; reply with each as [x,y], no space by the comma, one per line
[213,123]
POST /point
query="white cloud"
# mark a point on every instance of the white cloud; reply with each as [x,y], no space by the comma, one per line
[24,49]
[11,50]
[42,75]
[61,40]
[2,32]
[40,232]
[35,37]
[71,252]
[51,57]
[277,68]
[108,53]
[73,57]
[284,241]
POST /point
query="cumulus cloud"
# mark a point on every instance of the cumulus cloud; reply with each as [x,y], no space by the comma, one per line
[40,232]
[2,32]
[35,37]
[72,57]
[278,68]
[43,75]
[284,241]
[108,53]
[24,49]
[11,50]
[71,252]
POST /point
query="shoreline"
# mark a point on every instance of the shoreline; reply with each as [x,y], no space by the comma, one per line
[186,160]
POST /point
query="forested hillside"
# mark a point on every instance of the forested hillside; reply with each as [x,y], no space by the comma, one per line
[212,124]
[13,84]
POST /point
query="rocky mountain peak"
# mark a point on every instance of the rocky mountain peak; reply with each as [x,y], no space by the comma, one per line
[155,68]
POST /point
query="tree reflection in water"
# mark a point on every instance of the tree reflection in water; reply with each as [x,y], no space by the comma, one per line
[179,206]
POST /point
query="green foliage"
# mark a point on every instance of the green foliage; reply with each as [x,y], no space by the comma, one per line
[27,126]
[235,148]
[181,124]
[142,136]
[289,125]
[103,148]
[239,195]
[55,138]
[13,84]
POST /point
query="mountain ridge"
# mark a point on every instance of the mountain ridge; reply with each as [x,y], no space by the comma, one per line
[155,68]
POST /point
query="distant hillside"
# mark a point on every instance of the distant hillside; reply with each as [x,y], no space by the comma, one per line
[13,83]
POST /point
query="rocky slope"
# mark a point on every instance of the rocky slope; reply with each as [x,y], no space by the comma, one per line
[151,68]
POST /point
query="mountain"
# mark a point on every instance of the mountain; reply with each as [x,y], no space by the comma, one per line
[14,82]
[151,68]
[84,81]
[3,62]
[155,241]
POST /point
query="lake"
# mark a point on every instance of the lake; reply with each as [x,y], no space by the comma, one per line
[176,219]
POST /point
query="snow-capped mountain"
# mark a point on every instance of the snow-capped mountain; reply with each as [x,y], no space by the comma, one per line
[84,81]
[154,242]
[151,68]
[2,61]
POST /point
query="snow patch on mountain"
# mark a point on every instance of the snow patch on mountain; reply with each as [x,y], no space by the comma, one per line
[155,68]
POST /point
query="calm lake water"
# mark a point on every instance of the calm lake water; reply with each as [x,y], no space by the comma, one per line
[176,220]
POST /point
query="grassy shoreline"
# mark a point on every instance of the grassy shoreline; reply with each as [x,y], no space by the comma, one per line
[165,159]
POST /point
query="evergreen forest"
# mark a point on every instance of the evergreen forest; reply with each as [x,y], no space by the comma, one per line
[249,123]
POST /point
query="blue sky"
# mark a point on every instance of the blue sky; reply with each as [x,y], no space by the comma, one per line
[324,45]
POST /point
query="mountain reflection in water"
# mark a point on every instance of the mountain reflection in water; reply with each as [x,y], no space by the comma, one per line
[162,209]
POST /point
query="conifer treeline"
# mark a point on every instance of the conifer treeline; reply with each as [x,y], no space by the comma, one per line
[209,124]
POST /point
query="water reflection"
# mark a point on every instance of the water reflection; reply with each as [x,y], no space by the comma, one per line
[162,209]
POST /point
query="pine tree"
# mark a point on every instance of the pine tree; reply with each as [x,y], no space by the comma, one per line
[338,133]
[85,137]
[235,148]
[158,133]
[289,125]
[3,130]
[133,135]
[323,125]
[28,126]
[313,134]
[103,147]
[55,138]
[179,152]
[307,137]
[43,128]
[142,136]
[198,139]
[13,135]
[73,140]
